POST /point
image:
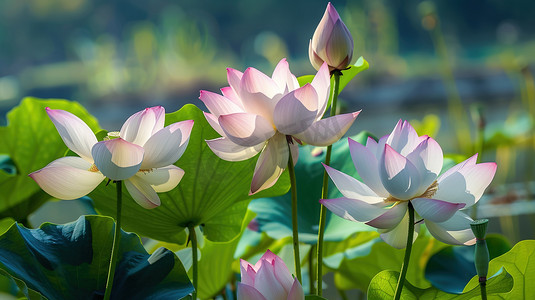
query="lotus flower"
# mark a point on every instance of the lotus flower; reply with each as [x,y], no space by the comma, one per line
[142,155]
[331,43]
[401,168]
[268,279]
[257,113]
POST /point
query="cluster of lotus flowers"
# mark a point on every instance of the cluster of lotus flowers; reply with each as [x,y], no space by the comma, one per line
[257,113]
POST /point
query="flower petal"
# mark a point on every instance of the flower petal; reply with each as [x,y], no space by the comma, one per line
[247,292]
[315,60]
[339,48]
[435,210]
[403,138]
[398,175]
[234,79]
[230,94]
[322,83]
[455,231]
[271,163]
[117,159]
[467,184]
[246,129]
[284,78]
[167,145]
[468,162]
[427,157]
[296,111]
[367,166]
[390,218]
[351,187]
[76,135]
[218,105]
[67,178]
[397,237]
[214,122]
[227,150]
[248,272]
[327,131]
[142,192]
[259,93]
[162,179]
[352,209]
[267,284]
[142,125]
[296,291]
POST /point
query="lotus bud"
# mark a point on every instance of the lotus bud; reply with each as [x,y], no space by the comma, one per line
[332,43]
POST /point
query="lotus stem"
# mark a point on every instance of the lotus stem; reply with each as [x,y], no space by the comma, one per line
[195,264]
[311,269]
[325,191]
[116,242]
[406,259]
[297,260]
[481,254]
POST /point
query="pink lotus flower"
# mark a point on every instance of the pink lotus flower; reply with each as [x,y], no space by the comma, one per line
[331,43]
[404,167]
[268,279]
[142,155]
[261,114]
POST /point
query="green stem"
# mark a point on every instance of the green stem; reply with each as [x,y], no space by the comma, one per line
[294,215]
[408,249]
[311,279]
[325,191]
[193,239]
[483,286]
[116,242]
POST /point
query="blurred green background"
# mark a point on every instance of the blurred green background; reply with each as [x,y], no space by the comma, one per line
[462,70]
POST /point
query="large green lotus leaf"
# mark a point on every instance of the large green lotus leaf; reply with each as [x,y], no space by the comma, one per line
[452,267]
[31,141]
[274,215]
[213,193]
[358,272]
[383,286]
[71,262]
[520,263]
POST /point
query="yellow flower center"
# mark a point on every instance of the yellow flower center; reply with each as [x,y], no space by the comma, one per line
[430,192]
[93,168]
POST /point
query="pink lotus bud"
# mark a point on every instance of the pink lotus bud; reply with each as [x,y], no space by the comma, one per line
[332,43]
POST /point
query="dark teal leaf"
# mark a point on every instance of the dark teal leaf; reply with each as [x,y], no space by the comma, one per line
[213,193]
[71,262]
[274,214]
[452,267]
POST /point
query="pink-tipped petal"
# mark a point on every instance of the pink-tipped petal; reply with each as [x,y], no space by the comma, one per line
[398,175]
[325,132]
[468,162]
[142,192]
[214,122]
[234,79]
[271,163]
[352,188]
[117,159]
[397,237]
[367,166]
[267,284]
[247,292]
[167,145]
[227,150]
[230,94]
[143,124]
[284,78]
[246,129]
[322,83]
[352,209]
[296,291]
[76,135]
[390,218]
[219,105]
[455,231]
[67,178]
[322,33]
[248,272]
[403,138]
[162,179]
[259,93]
[467,184]
[296,111]
[371,145]
[435,210]
[427,157]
